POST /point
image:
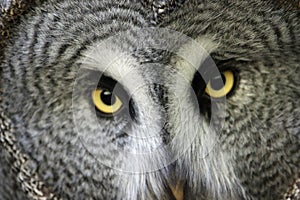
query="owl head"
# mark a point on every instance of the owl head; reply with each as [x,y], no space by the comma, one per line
[108,105]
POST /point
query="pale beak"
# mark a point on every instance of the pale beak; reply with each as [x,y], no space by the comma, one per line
[177,191]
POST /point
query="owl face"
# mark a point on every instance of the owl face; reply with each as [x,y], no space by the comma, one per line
[208,100]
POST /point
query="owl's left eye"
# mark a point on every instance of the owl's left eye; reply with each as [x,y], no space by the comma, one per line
[221,85]
[106,102]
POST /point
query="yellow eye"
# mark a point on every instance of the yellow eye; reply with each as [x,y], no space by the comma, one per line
[105,101]
[220,86]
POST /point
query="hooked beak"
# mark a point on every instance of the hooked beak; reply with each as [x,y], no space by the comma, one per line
[177,191]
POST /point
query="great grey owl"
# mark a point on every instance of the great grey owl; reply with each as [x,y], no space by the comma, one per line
[103,99]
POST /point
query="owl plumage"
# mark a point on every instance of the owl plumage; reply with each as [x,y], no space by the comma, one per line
[58,143]
[260,137]
[52,37]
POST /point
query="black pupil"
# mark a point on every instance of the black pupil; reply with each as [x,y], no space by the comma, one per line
[218,82]
[107,97]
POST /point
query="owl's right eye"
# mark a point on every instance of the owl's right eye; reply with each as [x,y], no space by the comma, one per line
[221,85]
[106,102]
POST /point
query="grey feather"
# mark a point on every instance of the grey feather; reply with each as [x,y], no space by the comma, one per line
[55,145]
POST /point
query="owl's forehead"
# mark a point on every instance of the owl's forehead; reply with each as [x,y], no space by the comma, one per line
[158,57]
